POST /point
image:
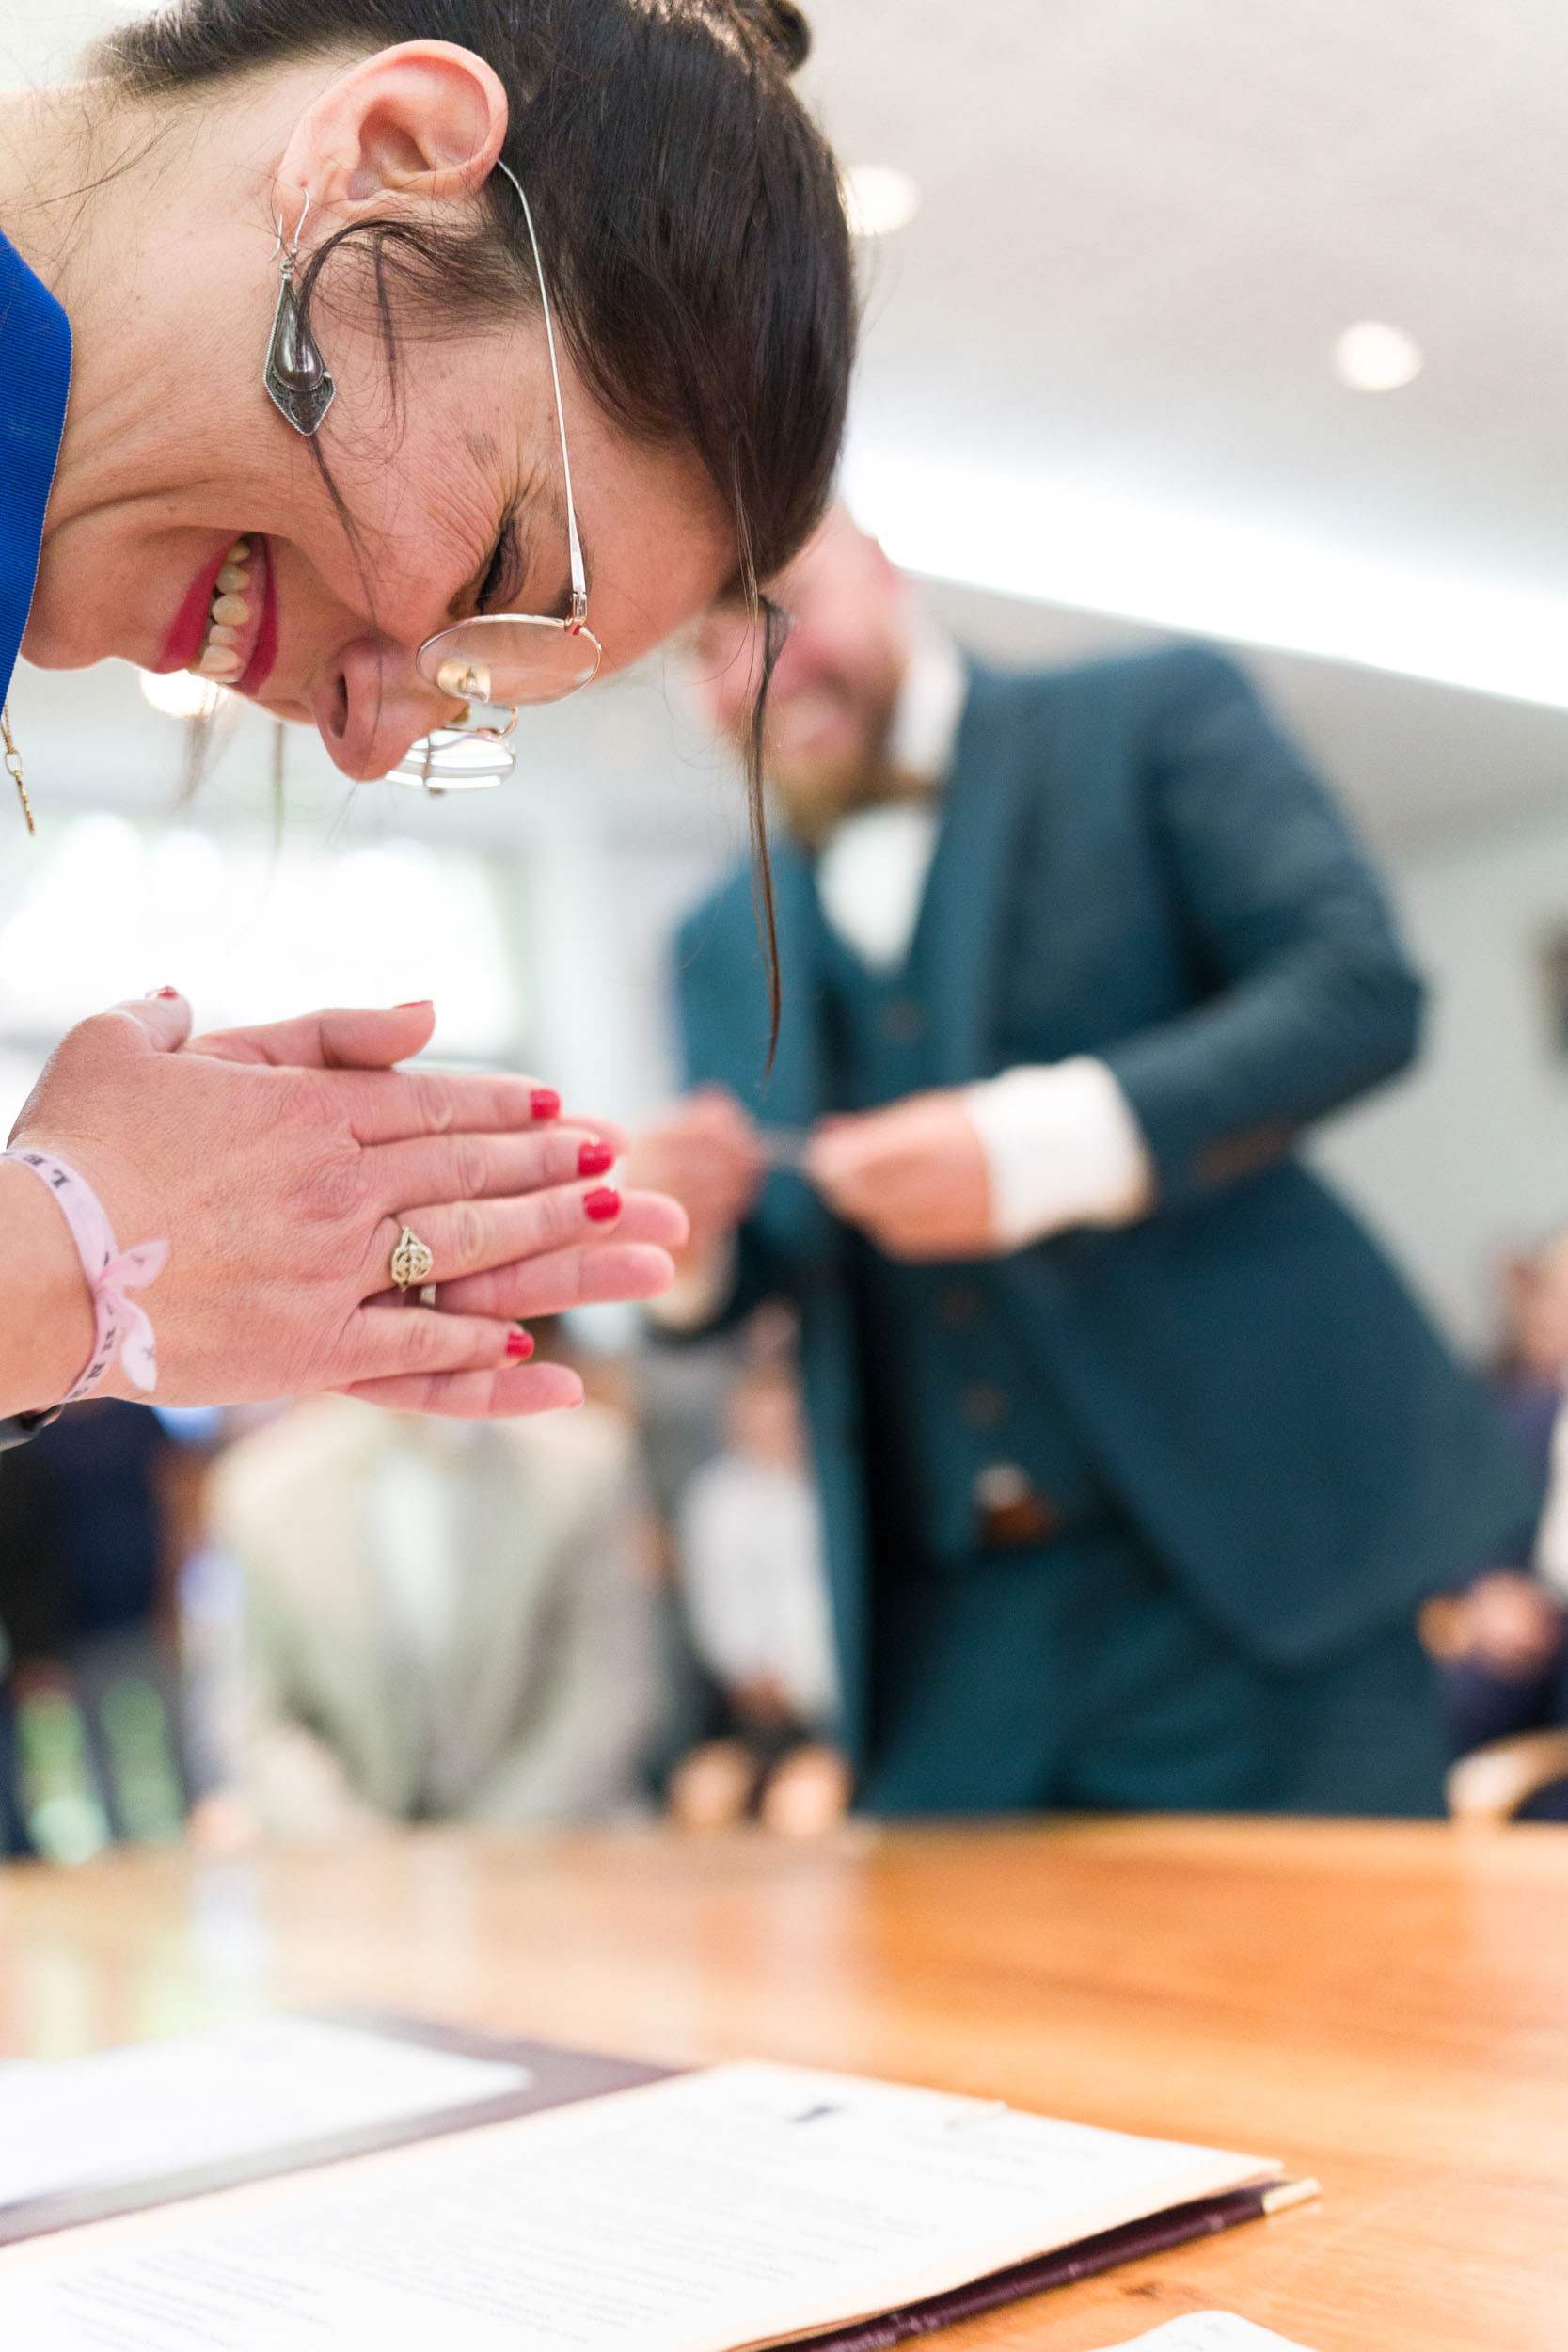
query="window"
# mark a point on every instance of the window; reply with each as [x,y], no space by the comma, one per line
[250,931]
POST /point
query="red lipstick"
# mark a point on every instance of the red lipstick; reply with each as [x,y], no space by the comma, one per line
[184,641]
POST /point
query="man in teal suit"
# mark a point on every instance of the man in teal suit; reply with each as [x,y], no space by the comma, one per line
[1136,1456]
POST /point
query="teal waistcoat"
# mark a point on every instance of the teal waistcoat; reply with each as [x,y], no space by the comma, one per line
[952,1402]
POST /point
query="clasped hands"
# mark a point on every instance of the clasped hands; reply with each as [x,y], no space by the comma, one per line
[912,1176]
[280,1162]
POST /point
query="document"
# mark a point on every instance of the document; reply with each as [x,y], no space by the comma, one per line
[1212,2331]
[203,2099]
[714,2211]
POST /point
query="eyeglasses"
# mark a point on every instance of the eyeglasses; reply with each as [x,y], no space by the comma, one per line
[505,660]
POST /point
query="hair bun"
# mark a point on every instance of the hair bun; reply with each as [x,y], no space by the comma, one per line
[782,27]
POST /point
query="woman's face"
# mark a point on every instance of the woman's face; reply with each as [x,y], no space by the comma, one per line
[455,496]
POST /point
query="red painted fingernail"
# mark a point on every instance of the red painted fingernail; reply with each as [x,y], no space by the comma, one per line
[602,1203]
[519,1345]
[594,1159]
[163,992]
[544,1102]
[413,1003]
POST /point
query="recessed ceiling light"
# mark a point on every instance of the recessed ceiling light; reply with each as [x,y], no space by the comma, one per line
[179,693]
[879,198]
[1372,357]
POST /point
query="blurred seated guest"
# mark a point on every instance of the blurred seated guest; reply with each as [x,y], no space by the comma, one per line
[1530,1367]
[1136,1456]
[445,1620]
[13,1838]
[750,1551]
[679,1410]
[1501,1641]
[87,1558]
[1505,1640]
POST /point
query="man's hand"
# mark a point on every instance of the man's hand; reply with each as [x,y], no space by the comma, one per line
[913,1177]
[705,1153]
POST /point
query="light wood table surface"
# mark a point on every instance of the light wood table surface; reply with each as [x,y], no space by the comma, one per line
[1382,2005]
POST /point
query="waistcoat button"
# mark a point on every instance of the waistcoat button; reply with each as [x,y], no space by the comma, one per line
[903,1020]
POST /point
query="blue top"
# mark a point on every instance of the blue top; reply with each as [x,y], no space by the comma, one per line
[35,337]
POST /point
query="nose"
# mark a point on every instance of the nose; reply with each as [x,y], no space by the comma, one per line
[371,705]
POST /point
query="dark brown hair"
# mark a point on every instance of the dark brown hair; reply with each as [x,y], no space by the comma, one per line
[688,207]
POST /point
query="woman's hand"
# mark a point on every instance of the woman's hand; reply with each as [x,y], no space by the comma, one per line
[281,1190]
[624,1260]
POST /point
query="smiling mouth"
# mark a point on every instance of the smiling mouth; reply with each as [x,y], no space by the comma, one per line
[235,617]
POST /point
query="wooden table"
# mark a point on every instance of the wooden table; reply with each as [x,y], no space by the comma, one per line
[1384,2005]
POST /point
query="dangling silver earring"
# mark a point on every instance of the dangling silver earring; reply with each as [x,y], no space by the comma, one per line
[296,373]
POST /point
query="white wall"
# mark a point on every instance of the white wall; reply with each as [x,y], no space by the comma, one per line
[1469,1155]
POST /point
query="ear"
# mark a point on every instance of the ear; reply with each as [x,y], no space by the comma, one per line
[718,676]
[1521,1274]
[425,120]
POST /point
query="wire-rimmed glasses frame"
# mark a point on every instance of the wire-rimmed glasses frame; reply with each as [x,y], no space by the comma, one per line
[507,660]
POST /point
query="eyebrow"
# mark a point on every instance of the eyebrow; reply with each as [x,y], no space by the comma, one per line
[553,500]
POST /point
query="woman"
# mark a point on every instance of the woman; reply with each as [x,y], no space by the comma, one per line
[319,433]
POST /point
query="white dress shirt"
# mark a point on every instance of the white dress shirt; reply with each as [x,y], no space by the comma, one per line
[1551,1544]
[1061,1143]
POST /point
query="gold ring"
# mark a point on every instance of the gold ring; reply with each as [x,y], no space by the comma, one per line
[412,1262]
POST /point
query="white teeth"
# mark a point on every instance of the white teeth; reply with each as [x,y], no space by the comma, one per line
[229,614]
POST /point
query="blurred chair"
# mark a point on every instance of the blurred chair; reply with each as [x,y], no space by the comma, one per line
[443,1620]
[1499,1783]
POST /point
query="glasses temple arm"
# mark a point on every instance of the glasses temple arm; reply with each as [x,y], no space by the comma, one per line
[579,578]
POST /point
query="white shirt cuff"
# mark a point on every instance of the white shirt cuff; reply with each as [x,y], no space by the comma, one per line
[1062,1148]
[1551,1544]
[700,1294]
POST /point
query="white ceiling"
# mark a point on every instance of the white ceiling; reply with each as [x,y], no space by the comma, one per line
[1144,222]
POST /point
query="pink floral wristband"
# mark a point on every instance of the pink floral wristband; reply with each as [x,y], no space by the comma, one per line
[120,1327]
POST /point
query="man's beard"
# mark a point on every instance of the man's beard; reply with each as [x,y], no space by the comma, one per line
[815,796]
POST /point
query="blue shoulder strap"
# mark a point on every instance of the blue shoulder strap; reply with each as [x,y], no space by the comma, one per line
[35,379]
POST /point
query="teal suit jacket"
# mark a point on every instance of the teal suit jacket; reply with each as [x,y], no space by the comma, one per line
[1135,864]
